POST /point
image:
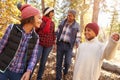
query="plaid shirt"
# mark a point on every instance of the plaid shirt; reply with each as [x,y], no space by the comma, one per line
[18,62]
[65,34]
[46,40]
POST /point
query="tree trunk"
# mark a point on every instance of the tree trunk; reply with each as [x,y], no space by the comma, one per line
[81,22]
[54,3]
[26,1]
[83,11]
[95,11]
[111,67]
[43,5]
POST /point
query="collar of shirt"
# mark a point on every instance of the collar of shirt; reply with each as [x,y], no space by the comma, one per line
[28,35]
[68,24]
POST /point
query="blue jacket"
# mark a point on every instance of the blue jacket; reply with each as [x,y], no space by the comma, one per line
[74,30]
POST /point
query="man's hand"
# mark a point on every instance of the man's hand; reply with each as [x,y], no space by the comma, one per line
[26,75]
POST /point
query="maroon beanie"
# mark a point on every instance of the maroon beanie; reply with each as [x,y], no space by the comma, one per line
[94,27]
[28,11]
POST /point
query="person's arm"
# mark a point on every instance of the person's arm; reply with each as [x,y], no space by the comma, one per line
[78,37]
[31,64]
[58,29]
[110,49]
[54,34]
[33,59]
[4,39]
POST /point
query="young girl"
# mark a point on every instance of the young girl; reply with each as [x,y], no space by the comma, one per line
[91,54]
[46,33]
[19,46]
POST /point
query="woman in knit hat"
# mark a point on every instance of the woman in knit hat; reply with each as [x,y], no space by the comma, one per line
[47,38]
[91,53]
[19,46]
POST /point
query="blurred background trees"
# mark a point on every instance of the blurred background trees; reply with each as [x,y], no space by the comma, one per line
[106,14]
[8,14]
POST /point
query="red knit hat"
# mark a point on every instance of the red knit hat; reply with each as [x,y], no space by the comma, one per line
[28,11]
[94,27]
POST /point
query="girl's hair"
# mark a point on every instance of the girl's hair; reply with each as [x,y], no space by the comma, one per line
[27,20]
[47,13]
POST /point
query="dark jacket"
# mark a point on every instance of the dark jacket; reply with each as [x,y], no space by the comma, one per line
[74,29]
[12,46]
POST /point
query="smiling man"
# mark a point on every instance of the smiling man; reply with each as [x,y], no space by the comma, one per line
[66,37]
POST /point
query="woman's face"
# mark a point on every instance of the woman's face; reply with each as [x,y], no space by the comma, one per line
[37,20]
[51,14]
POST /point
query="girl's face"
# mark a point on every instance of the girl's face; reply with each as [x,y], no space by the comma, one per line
[37,20]
[89,34]
[51,14]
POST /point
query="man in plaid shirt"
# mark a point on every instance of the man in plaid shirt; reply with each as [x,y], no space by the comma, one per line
[66,37]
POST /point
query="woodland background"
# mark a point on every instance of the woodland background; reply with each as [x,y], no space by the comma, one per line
[104,12]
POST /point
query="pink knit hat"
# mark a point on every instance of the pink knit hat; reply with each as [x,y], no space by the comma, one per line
[94,27]
[28,11]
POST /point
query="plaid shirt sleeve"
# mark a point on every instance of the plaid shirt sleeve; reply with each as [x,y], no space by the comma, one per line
[4,39]
[33,59]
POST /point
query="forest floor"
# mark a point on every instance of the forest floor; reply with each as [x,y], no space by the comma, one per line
[49,73]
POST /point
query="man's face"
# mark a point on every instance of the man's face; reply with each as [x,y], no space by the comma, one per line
[70,17]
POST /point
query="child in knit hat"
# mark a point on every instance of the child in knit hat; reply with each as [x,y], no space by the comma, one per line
[19,46]
[91,54]
[46,33]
